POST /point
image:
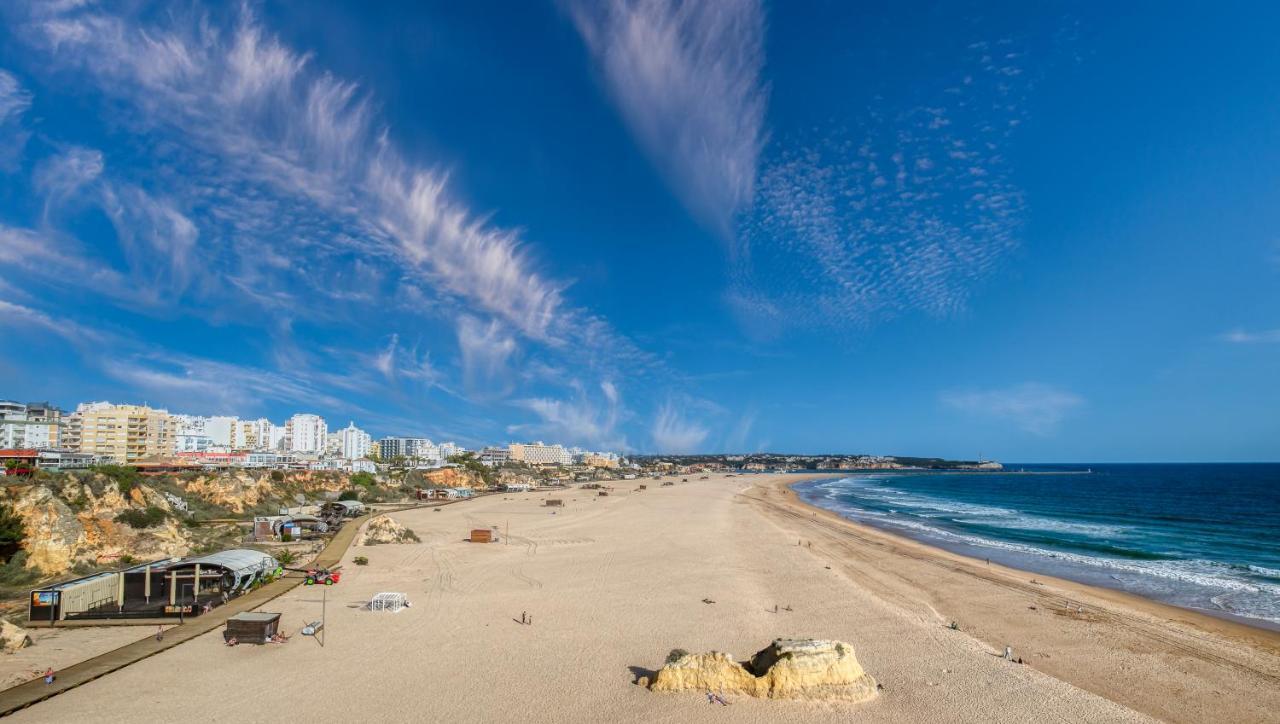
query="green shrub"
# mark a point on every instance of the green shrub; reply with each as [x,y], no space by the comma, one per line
[349,495]
[15,573]
[148,518]
[277,476]
[125,477]
[364,479]
[12,531]
[360,561]
[285,556]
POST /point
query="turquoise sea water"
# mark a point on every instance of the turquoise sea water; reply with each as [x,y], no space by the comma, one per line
[1200,536]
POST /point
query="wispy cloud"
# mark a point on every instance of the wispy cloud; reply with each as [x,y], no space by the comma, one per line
[61,176]
[261,158]
[15,315]
[673,432]
[486,349]
[685,77]
[1240,336]
[906,210]
[294,144]
[584,419]
[1034,407]
[14,103]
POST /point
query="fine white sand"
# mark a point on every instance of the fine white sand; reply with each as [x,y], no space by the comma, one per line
[61,647]
[612,584]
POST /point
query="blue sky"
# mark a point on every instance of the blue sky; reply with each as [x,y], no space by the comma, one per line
[1044,233]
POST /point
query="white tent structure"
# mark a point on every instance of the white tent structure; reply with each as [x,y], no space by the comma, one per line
[388,602]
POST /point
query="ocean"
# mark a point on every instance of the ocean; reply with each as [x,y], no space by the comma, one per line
[1201,536]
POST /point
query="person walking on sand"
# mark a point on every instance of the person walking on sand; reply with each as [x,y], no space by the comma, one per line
[159,633]
[48,676]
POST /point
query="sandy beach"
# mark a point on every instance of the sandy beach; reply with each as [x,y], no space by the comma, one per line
[614,583]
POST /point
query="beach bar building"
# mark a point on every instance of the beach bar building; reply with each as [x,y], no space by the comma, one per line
[173,587]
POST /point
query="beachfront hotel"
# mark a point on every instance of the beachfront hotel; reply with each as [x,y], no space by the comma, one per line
[538,453]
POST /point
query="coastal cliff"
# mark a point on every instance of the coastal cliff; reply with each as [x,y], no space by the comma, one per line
[82,521]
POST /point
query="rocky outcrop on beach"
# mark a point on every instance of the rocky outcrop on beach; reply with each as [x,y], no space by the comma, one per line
[13,637]
[386,530]
[786,669]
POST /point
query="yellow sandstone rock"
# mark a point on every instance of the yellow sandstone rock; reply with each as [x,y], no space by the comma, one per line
[385,530]
[786,669]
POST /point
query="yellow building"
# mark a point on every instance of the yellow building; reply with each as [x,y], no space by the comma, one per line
[125,433]
[598,460]
[539,454]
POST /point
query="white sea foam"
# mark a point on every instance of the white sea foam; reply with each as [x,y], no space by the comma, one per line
[1237,593]
[868,488]
[1263,571]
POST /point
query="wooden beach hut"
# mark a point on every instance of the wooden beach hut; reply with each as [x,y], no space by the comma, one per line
[252,627]
[481,535]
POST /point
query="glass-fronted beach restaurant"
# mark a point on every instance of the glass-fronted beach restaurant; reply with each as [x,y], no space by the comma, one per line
[169,587]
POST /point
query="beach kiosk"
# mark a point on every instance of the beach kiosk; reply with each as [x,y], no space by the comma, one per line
[252,627]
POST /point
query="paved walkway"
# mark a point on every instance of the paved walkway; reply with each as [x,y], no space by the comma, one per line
[24,695]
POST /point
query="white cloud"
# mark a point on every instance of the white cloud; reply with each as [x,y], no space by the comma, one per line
[60,177]
[57,259]
[187,382]
[583,420]
[1240,336]
[158,240]
[17,316]
[486,350]
[14,102]
[257,113]
[905,210]
[1033,407]
[685,77]
[672,432]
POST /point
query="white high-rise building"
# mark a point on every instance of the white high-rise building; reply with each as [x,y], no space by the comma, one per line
[276,437]
[222,431]
[254,434]
[306,433]
[356,443]
[449,449]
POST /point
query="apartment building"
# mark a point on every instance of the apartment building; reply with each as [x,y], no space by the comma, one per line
[354,442]
[305,433]
[33,425]
[537,453]
[124,433]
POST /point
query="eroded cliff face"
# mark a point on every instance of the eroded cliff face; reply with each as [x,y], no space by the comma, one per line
[76,525]
[70,518]
[453,478]
[233,492]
